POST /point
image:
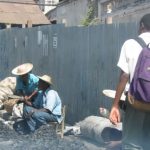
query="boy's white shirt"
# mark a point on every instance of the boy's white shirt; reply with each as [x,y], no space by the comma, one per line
[129,54]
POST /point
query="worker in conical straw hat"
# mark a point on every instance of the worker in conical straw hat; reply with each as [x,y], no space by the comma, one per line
[46,107]
[26,82]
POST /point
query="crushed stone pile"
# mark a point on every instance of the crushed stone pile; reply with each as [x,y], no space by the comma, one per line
[45,138]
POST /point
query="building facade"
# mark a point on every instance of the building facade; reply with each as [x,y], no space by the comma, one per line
[73,12]
[47,5]
[114,11]
[69,12]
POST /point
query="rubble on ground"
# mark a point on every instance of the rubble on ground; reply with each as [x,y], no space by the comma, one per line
[45,138]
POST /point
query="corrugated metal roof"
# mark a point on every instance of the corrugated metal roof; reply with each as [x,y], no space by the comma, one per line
[14,13]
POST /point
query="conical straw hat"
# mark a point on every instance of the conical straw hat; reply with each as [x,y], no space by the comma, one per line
[22,69]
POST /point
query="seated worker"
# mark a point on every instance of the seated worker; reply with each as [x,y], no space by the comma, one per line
[46,107]
[26,82]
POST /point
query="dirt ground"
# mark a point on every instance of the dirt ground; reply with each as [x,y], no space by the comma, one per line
[44,138]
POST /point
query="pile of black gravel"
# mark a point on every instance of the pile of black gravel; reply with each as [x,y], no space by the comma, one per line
[44,138]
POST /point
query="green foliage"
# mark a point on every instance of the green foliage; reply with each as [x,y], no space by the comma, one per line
[95,21]
[90,16]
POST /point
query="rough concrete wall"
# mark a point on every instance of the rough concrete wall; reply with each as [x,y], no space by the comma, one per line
[124,10]
[73,12]
[132,14]
[70,13]
[52,15]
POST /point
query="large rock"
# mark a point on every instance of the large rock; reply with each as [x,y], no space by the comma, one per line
[100,129]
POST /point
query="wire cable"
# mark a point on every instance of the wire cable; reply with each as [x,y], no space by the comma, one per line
[24,3]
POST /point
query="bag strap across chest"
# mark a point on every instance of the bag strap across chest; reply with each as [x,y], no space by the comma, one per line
[141,42]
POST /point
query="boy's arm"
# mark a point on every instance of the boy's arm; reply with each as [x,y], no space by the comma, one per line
[115,114]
